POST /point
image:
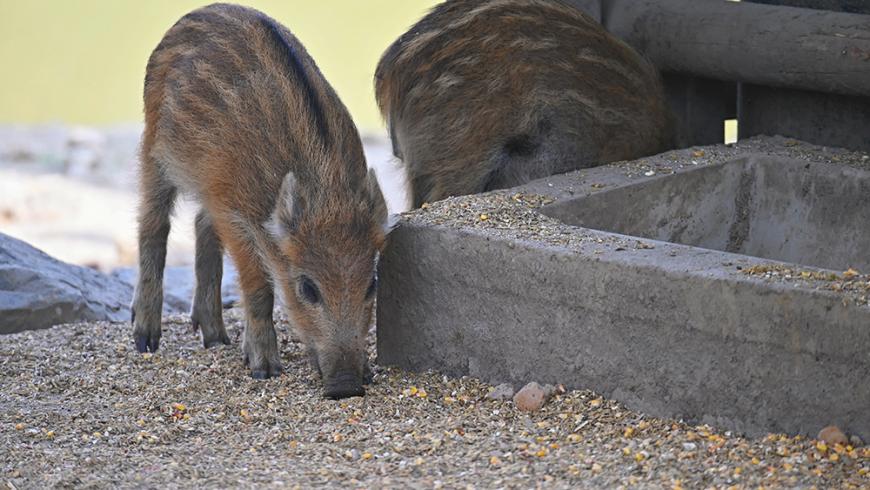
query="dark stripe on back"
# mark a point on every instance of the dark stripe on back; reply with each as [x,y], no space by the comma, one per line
[297,71]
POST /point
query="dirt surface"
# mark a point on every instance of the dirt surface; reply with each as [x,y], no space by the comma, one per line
[78,408]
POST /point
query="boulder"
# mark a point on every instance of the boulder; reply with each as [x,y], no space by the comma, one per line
[38,291]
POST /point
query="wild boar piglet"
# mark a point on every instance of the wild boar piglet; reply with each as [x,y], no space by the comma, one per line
[238,116]
[489,94]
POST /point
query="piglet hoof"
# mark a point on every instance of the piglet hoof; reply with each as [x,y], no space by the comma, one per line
[343,385]
[213,331]
[146,326]
[339,392]
[263,369]
[146,334]
[209,343]
[261,354]
[270,372]
[147,343]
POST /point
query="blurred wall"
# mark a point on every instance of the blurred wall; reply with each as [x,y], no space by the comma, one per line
[82,61]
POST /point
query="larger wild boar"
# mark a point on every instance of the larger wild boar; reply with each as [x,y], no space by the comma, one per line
[238,116]
[488,94]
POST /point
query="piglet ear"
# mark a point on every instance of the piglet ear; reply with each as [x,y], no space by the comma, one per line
[285,216]
[379,204]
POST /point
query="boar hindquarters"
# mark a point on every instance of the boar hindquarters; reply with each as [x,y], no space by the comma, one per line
[490,94]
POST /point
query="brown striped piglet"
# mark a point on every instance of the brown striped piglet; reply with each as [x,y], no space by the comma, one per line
[490,94]
[238,117]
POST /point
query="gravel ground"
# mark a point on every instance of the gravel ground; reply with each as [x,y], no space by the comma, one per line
[78,408]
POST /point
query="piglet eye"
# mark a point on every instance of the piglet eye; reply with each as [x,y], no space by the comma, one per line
[373,287]
[308,290]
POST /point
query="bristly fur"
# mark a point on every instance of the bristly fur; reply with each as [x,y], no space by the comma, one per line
[486,94]
[298,72]
[238,115]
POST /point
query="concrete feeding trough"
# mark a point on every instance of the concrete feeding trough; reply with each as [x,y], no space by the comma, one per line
[721,284]
[777,208]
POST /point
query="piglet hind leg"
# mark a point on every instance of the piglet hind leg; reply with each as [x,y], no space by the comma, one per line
[207,313]
[157,200]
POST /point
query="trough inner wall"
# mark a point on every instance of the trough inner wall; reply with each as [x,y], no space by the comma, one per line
[810,214]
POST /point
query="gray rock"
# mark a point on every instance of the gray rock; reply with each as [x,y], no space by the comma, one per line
[502,393]
[178,285]
[38,291]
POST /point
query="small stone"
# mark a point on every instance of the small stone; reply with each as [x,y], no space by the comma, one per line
[502,393]
[856,441]
[532,397]
[550,391]
[832,435]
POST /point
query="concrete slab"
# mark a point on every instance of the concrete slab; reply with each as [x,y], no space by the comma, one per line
[494,286]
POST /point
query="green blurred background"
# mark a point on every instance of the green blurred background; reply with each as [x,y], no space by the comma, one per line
[83,61]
